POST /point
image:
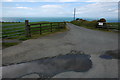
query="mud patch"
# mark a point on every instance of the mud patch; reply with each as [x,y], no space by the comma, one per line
[111,54]
[74,61]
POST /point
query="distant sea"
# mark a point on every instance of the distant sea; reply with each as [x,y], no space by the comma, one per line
[50,19]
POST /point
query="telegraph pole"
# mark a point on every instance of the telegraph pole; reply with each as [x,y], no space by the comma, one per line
[74,13]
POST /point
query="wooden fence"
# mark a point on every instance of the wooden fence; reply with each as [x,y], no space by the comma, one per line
[42,27]
[28,29]
[13,32]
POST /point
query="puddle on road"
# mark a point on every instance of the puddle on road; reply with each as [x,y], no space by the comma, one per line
[111,54]
[105,56]
[74,61]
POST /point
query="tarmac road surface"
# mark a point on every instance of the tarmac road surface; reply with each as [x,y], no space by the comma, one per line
[77,38]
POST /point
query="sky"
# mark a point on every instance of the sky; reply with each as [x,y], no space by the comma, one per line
[60,8]
[60,0]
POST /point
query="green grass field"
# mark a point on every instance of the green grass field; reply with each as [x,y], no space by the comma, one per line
[12,31]
[8,30]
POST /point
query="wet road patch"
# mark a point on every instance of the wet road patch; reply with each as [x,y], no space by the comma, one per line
[105,56]
[111,54]
[49,67]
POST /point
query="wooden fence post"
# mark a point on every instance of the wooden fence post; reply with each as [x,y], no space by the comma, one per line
[40,29]
[58,26]
[64,24]
[27,28]
[51,26]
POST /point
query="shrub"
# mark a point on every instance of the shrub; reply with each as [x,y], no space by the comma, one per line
[90,24]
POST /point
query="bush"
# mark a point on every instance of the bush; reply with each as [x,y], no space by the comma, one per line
[84,23]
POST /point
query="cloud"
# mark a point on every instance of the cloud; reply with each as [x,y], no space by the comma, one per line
[99,9]
[68,0]
[102,9]
[60,0]
[51,10]
[51,6]
[23,7]
[116,11]
[8,0]
[102,1]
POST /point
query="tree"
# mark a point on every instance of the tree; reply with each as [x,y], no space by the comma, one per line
[77,19]
[102,20]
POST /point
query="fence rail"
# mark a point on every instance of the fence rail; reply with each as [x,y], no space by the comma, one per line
[12,35]
[42,27]
[29,29]
[13,28]
[13,31]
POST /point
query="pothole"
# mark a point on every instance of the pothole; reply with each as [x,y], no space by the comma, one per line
[74,61]
[111,54]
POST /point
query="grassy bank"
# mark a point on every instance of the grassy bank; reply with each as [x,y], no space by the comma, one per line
[93,24]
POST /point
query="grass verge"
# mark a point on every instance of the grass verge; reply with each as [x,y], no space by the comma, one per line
[93,24]
[5,45]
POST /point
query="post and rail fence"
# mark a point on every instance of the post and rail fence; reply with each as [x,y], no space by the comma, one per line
[28,29]
[49,26]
